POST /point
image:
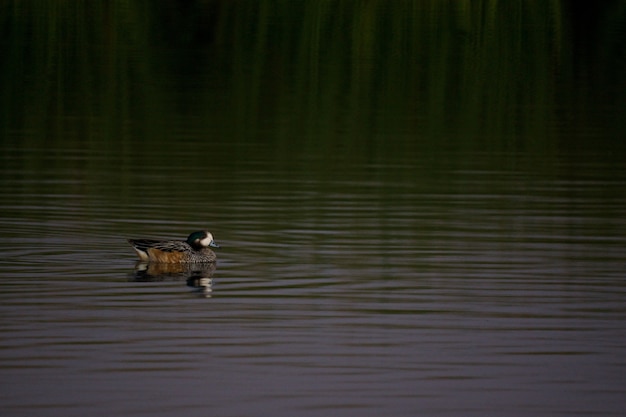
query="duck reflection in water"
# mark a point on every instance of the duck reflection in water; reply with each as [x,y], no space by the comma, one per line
[198,276]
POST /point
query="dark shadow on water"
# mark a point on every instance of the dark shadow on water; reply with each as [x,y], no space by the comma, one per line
[198,276]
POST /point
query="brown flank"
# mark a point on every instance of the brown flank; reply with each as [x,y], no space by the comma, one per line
[165,257]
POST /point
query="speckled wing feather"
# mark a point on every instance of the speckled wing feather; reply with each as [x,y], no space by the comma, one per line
[165,246]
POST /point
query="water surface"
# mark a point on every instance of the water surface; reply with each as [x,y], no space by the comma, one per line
[393,241]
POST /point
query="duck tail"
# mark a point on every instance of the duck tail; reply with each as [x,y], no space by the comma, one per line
[140,249]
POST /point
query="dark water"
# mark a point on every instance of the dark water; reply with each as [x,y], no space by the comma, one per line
[463,256]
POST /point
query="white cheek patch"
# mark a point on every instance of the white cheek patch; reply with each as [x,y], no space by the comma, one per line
[207,240]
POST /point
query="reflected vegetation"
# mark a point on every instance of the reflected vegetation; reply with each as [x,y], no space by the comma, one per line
[139,105]
[107,76]
[314,87]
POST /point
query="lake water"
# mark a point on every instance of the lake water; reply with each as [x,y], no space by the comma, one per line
[375,258]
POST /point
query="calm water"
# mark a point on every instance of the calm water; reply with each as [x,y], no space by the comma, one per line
[349,297]
[372,262]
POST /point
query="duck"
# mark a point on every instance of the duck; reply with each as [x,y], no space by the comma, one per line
[195,249]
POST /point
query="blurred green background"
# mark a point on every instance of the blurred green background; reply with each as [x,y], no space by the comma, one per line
[310,85]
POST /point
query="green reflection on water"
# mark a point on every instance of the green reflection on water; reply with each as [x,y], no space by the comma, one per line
[132,84]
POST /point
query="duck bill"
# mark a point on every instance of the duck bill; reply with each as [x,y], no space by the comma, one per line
[214,245]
